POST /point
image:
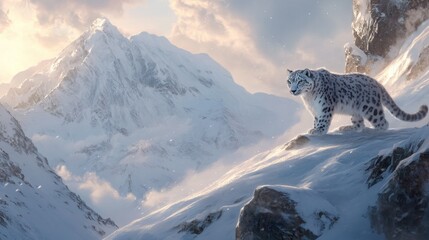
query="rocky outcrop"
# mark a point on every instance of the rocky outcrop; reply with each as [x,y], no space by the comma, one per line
[378,25]
[282,212]
[383,165]
[402,208]
[197,226]
[297,142]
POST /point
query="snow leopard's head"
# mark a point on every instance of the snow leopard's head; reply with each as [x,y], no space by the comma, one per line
[300,81]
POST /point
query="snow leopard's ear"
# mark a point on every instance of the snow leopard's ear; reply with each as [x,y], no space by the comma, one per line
[308,73]
[289,71]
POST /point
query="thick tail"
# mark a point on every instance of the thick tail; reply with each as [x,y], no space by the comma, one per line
[399,113]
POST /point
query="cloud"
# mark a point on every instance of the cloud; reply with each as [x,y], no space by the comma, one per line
[60,22]
[256,40]
[101,196]
[4,19]
[76,13]
[36,30]
[98,188]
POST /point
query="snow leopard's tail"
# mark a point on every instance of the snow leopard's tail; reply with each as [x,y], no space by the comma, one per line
[399,113]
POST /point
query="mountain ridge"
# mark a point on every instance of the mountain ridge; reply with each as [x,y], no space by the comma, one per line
[140,113]
[34,198]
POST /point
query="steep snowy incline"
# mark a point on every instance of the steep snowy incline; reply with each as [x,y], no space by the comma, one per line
[338,168]
[409,71]
[407,76]
[139,114]
[34,202]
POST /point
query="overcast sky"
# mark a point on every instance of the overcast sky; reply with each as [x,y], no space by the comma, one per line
[255,40]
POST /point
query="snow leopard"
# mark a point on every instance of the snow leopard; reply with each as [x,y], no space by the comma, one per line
[325,93]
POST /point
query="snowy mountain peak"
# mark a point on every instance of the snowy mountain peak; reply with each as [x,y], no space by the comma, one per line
[102,24]
[140,113]
[107,31]
[119,84]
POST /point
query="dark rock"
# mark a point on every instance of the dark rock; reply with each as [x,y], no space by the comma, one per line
[388,22]
[297,142]
[385,164]
[401,211]
[355,62]
[378,25]
[197,226]
[8,169]
[272,214]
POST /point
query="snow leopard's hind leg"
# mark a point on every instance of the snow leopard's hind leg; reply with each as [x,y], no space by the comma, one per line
[375,116]
[358,124]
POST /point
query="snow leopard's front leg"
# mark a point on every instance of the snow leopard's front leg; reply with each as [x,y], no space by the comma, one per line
[322,122]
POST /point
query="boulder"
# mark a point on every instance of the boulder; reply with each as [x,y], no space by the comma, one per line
[285,212]
[379,25]
[402,208]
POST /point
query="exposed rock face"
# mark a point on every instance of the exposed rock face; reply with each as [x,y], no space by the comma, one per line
[380,166]
[280,212]
[401,211]
[378,25]
[354,61]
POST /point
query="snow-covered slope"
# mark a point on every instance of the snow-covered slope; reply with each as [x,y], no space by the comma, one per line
[409,71]
[34,202]
[139,113]
[335,166]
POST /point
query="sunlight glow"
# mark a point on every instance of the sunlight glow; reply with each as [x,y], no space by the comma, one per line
[24,42]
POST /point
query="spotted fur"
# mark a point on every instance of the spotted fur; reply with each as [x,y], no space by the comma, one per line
[325,93]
